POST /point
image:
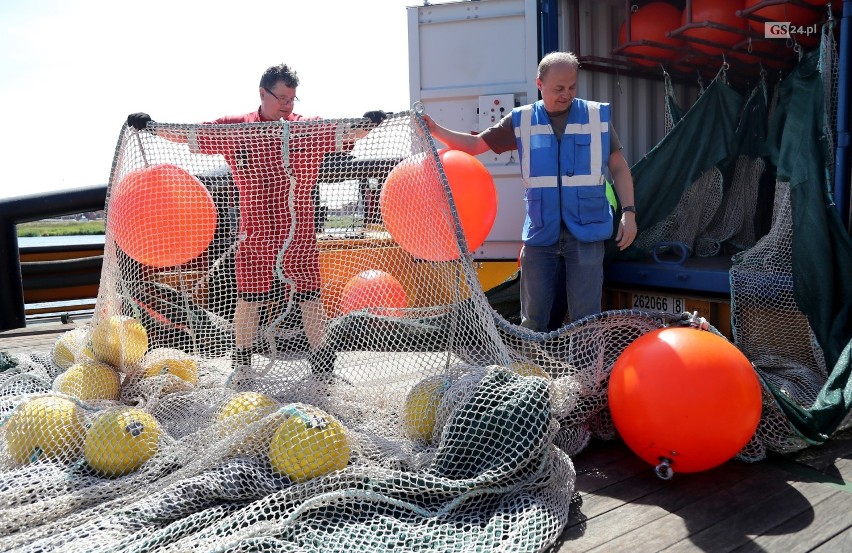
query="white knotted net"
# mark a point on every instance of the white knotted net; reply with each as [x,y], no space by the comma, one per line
[733,222]
[774,333]
[269,367]
[690,217]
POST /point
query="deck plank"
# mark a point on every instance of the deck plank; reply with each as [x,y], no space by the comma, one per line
[840,542]
[809,529]
[671,511]
[822,458]
[829,520]
[37,337]
[756,515]
[680,516]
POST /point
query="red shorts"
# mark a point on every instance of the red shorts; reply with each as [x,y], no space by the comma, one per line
[257,259]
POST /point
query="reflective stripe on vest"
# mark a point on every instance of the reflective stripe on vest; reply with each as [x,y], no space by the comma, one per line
[594,129]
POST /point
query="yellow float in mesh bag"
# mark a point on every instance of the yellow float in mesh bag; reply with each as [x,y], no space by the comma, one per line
[70,347]
[119,340]
[45,427]
[247,408]
[421,407]
[309,443]
[89,380]
[174,362]
[121,440]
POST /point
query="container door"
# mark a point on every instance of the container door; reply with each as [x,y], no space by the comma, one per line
[470,63]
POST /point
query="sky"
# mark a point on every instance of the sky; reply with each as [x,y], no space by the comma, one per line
[71,71]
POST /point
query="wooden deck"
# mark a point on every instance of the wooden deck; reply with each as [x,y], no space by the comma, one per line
[786,504]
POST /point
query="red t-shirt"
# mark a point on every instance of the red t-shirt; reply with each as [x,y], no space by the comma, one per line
[274,185]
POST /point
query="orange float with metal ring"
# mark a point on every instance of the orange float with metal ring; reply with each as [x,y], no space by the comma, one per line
[651,22]
[684,399]
[722,12]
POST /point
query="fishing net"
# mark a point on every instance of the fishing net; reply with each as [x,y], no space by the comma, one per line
[672,112]
[716,211]
[733,226]
[790,300]
[289,353]
[696,207]
[699,190]
[772,331]
[291,350]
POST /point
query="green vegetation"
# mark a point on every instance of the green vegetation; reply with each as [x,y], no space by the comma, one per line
[61,228]
[344,221]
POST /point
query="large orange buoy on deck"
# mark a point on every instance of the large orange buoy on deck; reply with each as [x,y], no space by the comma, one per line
[161,215]
[415,208]
[373,289]
[726,27]
[684,399]
[651,22]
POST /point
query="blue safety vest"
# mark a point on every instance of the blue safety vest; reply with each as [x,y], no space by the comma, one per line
[564,180]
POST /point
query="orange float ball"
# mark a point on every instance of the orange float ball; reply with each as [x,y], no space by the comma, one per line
[651,22]
[373,289]
[795,14]
[161,215]
[722,13]
[416,212]
[684,398]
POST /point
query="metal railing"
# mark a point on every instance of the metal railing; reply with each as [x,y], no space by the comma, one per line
[33,208]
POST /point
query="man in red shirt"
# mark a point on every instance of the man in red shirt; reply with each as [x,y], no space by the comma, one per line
[274,173]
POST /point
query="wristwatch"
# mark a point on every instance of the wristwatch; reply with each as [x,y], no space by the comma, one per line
[631,208]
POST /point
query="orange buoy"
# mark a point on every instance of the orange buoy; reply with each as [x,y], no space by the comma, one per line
[373,289]
[415,209]
[161,215]
[650,23]
[721,13]
[800,16]
[684,399]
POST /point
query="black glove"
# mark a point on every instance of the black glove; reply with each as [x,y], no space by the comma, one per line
[138,120]
[376,117]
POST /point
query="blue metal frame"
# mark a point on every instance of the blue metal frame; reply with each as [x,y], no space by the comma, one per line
[548,28]
[841,164]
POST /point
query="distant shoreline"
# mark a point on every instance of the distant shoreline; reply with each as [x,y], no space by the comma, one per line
[37,229]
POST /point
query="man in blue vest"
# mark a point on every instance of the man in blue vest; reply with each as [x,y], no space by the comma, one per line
[565,145]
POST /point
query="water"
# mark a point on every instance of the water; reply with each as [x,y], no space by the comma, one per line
[82,239]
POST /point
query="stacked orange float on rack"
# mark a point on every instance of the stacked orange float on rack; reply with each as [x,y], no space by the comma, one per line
[689,39]
[649,43]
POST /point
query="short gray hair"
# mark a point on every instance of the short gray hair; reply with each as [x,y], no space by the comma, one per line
[557,58]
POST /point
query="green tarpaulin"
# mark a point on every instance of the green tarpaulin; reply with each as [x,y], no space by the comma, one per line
[822,250]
